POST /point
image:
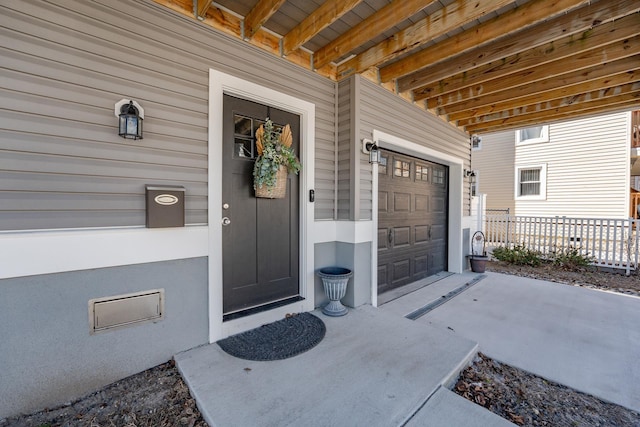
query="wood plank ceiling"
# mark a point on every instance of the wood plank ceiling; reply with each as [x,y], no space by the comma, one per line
[482,65]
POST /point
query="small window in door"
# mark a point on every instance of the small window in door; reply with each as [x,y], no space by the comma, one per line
[401,169]
[244,137]
[422,173]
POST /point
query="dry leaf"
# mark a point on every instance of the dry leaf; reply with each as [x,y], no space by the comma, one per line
[259,137]
[286,138]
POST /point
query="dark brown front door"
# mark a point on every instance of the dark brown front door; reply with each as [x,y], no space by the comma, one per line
[412,220]
[260,240]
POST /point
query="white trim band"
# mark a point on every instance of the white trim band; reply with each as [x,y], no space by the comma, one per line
[44,252]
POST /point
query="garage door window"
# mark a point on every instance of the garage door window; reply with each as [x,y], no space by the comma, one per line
[438,176]
[382,165]
[422,173]
[401,169]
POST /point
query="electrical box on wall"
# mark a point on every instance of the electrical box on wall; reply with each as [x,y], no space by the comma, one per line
[165,206]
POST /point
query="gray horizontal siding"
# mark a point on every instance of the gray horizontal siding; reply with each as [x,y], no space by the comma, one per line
[65,64]
[344,148]
[381,110]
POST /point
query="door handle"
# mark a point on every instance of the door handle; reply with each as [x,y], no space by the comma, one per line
[226,221]
[429,232]
[390,236]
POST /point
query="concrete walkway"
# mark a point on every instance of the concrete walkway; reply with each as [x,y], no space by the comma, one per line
[377,368]
[582,338]
[371,369]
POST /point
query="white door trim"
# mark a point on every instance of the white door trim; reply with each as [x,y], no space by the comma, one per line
[220,84]
[455,164]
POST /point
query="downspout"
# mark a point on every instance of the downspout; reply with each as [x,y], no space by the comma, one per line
[335,151]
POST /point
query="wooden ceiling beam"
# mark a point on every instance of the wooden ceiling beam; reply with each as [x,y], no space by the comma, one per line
[440,22]
[581,101]
[230,24]
[261,12]
[601,35]
[320,19]
[539,87]
[201,8]
[537,100]
[572,64]
[576,21]
[626,102]
[510,22]
[390,15]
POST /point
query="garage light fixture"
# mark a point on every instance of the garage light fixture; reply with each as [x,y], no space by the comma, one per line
[130,116]
[469,173]
[371,148]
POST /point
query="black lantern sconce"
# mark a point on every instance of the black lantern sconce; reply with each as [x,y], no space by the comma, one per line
[371,148]
[130,116]
[469,173]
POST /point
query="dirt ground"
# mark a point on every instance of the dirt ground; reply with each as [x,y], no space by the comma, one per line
[528,400]
[590,277]
[158,397]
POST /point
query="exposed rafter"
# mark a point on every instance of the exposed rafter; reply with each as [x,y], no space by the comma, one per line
[433,26]
[320,19]
[614,104]
[261,12]
[481,65]
[580,22]
[201,8]
[385,18]
[539,87]
[539,101]
[582,61]
[503,25]
[583,101]
[565,47]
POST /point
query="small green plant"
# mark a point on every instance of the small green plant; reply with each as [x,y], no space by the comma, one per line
[518,255]
[570,258]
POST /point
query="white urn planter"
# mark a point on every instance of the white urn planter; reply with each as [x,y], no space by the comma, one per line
[334,281]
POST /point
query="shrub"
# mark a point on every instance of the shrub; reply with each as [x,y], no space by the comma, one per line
[518,255]
[570,258]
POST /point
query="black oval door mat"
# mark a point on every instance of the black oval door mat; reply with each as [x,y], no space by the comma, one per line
[278,340]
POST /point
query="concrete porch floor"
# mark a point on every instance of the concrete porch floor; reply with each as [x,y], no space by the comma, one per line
[373,368]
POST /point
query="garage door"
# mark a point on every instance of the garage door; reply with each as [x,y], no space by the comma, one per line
[412,220]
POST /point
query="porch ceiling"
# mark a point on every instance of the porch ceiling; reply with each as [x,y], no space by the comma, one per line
[481,65]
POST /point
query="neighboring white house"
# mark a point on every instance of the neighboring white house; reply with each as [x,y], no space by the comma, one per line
[577,168]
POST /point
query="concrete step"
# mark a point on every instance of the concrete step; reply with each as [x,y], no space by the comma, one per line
[446,409]
[372,369]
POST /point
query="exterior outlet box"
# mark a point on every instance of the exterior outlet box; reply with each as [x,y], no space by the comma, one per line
[125,310]
[165,206]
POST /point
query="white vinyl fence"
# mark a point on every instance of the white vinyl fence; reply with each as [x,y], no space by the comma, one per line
[611,243]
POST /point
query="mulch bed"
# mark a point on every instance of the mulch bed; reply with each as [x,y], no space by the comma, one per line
[154,398]
[529,400]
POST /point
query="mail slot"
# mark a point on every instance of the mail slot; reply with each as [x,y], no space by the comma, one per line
[165,206]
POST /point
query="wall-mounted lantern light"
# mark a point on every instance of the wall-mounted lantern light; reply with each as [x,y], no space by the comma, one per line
[469,173]
[130,116]
[371,148]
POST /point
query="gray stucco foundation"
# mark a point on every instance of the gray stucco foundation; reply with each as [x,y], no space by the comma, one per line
[48,356]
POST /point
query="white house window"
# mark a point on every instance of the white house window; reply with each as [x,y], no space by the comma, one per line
[531,182]
[532,135]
